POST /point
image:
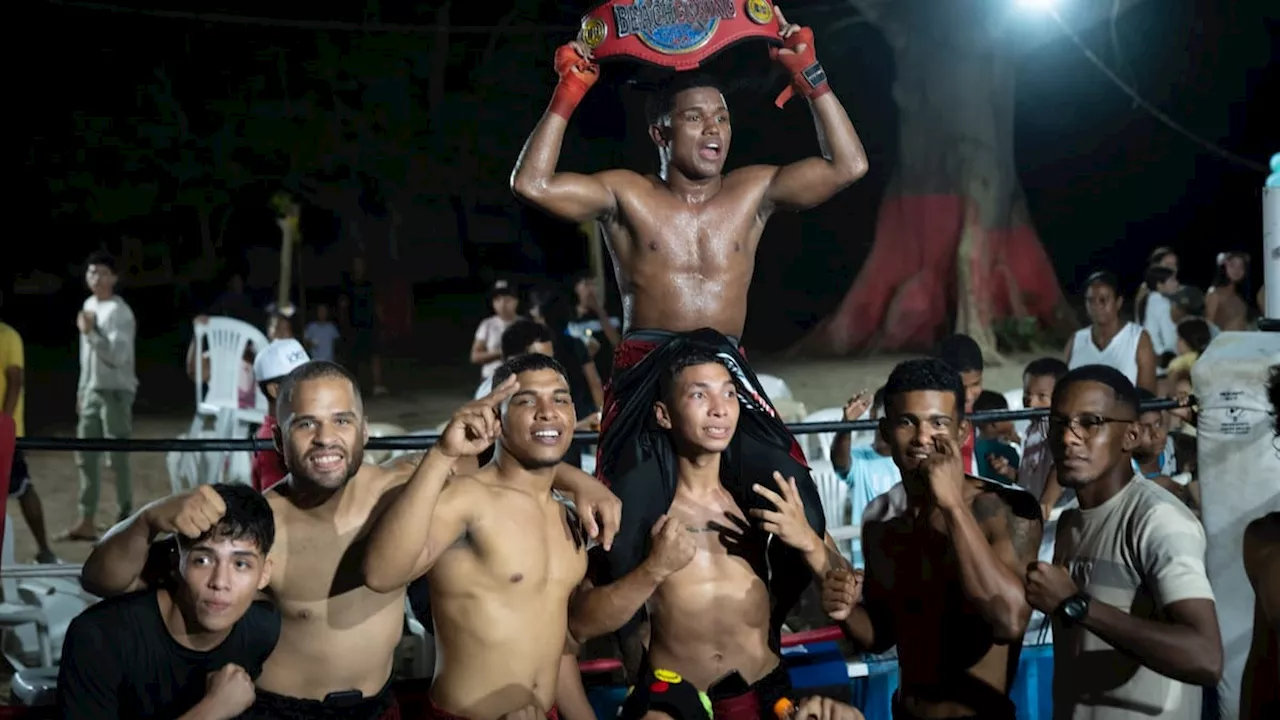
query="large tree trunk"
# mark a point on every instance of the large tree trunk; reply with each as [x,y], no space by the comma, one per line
[954,248]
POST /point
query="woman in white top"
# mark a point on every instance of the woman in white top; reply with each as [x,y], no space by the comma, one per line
[1109,340]
[486,349]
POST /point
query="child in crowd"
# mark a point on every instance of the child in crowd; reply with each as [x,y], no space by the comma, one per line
[1035,472]
[322,336]
[964,356]
[995,450]
[868,470]
[269,369]
[192,646]
[1194,335]
[1167,459]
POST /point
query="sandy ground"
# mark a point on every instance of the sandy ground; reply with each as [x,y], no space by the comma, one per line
[816,384]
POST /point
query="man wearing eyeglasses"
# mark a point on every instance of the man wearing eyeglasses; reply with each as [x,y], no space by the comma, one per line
[1135,629]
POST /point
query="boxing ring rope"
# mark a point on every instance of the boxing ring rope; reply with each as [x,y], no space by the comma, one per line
[424,441]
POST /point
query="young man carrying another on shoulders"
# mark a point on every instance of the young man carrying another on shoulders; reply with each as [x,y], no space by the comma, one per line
[501,553]
[702,580]
[945,572]
[192,648]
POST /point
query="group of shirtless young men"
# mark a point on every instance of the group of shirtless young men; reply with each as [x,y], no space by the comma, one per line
[506,560]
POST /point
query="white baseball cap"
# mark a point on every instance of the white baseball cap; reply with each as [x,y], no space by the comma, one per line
[279,359]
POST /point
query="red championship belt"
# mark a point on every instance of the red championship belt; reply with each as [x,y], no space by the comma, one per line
[678,34]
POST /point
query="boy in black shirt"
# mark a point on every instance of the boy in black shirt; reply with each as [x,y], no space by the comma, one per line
[188,648]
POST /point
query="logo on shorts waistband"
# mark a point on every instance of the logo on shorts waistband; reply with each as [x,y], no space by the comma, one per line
[673,27]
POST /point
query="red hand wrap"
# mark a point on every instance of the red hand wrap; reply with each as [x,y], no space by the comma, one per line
[807,76]
[577,75]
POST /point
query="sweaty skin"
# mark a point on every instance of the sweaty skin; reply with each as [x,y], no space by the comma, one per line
[502,555]
[684,242]
[701,581]
[943,583]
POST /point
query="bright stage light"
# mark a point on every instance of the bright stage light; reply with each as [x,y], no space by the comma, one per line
[1043,5]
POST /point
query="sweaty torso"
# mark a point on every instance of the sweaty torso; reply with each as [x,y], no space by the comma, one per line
[336,634]
[948,662]
[685,265]
[711,618]
[500,602]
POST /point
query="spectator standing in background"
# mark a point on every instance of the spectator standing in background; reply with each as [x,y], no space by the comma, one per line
[105,394]
[322,336]
[486,348]
[12,401]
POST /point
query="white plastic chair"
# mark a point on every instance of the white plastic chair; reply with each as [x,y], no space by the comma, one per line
[834,496]
[817,446]
[774,387]
[35,613]
[225,341]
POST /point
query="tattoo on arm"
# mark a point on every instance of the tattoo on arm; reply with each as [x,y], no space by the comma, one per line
[1024,533]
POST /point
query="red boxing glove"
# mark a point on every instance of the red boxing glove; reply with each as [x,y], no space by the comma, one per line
[577,75]
[807,76]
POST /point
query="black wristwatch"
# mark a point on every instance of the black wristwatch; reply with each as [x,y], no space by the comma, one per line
[1073,609]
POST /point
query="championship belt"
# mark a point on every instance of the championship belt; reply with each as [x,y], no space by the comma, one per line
[677,34]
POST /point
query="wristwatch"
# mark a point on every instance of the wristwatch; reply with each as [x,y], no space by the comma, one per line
[1073,609]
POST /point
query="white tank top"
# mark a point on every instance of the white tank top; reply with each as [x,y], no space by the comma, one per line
[1121,353]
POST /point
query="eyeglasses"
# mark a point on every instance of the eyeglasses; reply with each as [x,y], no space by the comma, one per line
[1084,426]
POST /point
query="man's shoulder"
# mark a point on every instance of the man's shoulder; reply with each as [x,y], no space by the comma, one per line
[115,618]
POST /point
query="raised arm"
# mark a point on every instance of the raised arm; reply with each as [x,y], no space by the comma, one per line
[432,512]
[116,564]
[568,196]
[814,180]
[989,577]
[1015,542]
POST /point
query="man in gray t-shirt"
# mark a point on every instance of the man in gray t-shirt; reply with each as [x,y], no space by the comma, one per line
[1135,629]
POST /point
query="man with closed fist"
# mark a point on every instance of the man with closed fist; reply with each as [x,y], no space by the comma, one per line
[946,554]
[191,647]
[702,579]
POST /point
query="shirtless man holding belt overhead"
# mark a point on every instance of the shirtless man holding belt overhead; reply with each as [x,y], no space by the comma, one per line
[683,244]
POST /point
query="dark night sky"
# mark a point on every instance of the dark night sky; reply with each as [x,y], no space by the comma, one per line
[1105,181]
